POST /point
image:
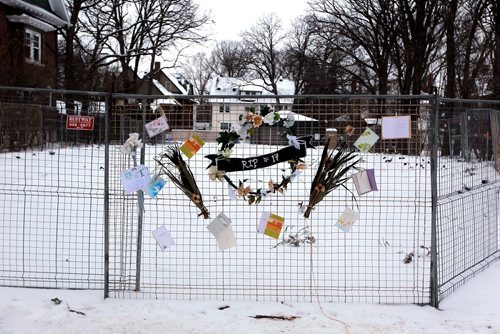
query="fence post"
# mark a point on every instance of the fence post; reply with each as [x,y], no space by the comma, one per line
[106,194]
[434,195]
[140,193]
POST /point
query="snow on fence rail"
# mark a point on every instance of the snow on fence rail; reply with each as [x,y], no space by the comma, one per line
[67,223]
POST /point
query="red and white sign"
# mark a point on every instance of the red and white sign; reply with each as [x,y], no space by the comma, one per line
[74,122]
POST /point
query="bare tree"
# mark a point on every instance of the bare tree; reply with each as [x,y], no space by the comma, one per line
[495,13]
[230,59]
[365,31]
[197,70]
[128,32]
[264,41]
[420,31]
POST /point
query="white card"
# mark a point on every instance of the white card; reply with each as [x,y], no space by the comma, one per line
[232,193]
[347,219]
[134,179]
[157,126]
[263,222]
[163,238]
[396,127]
[221,228]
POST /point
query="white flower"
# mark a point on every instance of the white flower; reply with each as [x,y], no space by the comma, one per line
[227,153]
[290,120]
[269,119]
[292,140]
[132,144]
[214,174]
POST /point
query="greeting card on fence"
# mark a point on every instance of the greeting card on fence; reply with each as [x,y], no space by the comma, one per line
[365,181]
[163,238]
[396,127]
[367,139]
[270,225]
[221,228]
[192,145]
[347,219]
[154,186]
[157,126]
[134,179]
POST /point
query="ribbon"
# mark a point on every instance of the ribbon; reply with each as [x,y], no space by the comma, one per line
[261,161]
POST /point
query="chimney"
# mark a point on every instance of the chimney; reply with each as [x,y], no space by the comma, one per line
[156,71]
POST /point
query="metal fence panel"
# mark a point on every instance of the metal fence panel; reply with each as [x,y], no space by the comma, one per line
[468,190]
[51,191]
[366,264]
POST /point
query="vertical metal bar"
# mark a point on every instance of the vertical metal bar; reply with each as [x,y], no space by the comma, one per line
[464,135]
[106,195]
[140,216]
[434,195]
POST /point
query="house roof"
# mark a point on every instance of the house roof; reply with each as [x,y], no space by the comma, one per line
[234,86]
[50,11]
[227,86]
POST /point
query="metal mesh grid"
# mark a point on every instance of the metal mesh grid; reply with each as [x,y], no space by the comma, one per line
[366,264]
[468,190]
[56,200]
[51,193]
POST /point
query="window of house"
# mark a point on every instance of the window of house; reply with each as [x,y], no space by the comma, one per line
[224,107]
[33,45]
[224,126]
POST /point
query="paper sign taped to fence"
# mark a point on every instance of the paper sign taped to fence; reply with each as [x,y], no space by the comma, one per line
[396,127]
[74,122]
[367,139]
[163,238]
[270,225]
[365,181]
[347,219]
[221,228]
[154,186]
[134,179]
[157,126]
[192,145]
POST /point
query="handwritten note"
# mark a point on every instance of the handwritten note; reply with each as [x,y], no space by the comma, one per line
[365,181]
[396,127]
[134,179]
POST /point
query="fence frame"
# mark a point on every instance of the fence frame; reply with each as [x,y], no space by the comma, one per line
[434,136]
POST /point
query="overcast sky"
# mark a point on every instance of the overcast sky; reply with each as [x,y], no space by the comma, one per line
[233,16]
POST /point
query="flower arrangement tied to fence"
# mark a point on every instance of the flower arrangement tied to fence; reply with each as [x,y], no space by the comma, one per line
[332,173]
[177,170]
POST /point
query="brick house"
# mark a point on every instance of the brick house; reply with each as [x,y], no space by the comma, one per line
[28,41]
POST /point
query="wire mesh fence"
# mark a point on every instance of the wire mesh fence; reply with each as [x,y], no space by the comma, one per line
[51,192]
[67,222]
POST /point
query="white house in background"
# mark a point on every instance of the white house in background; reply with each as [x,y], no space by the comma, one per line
[231,97]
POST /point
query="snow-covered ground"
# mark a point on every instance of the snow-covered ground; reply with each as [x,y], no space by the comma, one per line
[473,308]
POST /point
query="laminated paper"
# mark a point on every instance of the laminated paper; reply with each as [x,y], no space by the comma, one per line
[155,184]
[192,145]
[396,127]
[134,179]
[221,228]
[270,225]
[157,126]
[366,141]
[365,181]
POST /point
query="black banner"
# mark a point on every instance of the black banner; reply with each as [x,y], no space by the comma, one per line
[261,161]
